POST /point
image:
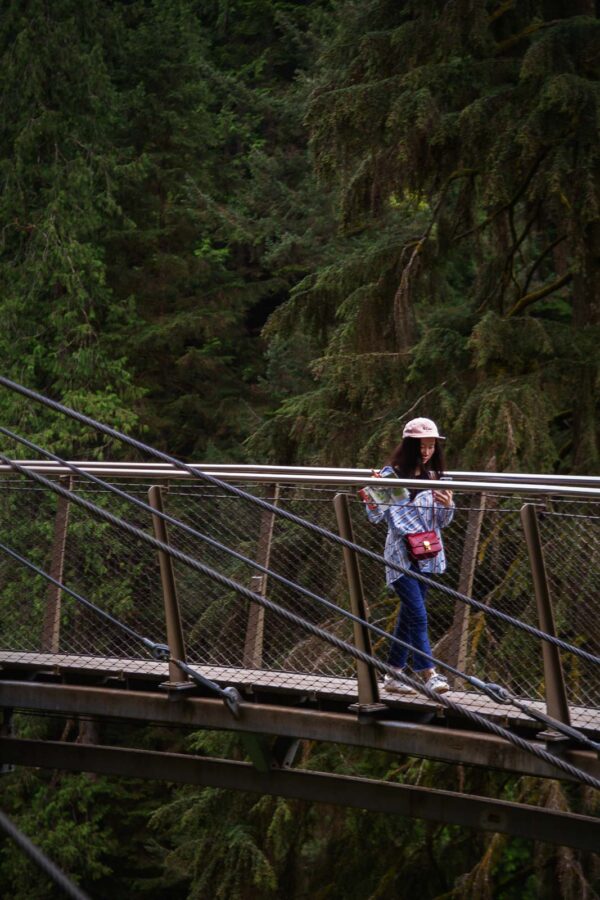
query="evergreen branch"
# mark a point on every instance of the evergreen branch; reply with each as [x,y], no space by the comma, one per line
[540,259]
[459,173]
[454,176]
[456,216]
[509,269]
[526,230]
[527,32]
[367,353]
[402,292]
[517,38]
[510,260]
[513,232]
[518,193]
[534,296]
[503,8]
[251,410]
[432,390]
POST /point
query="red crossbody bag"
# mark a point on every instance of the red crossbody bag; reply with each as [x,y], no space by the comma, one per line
[424,544]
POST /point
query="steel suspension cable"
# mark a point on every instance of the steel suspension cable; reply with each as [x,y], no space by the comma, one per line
[160,651]
[440,699]
[298,520]
[474,682]
[561,727]
[490,690]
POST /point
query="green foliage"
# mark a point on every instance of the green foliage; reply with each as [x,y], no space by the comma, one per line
[66,818]
[158,203]
[62,329]
[216,854]
[408,192]
[475,127]
[215,216]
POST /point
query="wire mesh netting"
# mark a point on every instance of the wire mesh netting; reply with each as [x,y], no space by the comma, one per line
[489,561]
[224,629]
[485,546]
[110,568]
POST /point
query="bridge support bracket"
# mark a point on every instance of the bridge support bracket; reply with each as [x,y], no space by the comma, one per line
[367,712]
[555,742]
[557,704]
[267,755]
[175,641]
[177,689]
[258,749]
[284,751]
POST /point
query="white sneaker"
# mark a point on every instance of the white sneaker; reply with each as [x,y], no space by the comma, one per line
[395,686]
[437,683]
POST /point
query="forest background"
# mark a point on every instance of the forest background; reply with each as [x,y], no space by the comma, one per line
[273,231]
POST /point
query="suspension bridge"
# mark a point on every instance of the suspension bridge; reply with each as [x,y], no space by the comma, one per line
[252,599]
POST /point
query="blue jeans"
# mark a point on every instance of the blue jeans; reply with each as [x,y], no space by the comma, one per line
[411,624]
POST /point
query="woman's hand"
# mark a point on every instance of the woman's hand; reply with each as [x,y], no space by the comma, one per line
[443,497]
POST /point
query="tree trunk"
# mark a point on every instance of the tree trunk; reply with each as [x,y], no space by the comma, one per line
[586,313]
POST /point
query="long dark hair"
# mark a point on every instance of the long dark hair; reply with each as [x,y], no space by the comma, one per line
[406,459]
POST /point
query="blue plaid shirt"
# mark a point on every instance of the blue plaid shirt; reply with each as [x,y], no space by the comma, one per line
[409,517]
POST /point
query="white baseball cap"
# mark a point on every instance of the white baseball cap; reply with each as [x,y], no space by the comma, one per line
[422,428]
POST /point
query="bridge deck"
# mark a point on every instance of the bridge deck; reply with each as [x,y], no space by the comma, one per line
[251,682]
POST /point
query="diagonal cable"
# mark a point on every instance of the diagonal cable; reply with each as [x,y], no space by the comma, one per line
[264,504]
[92,508]
[440,699]
[494,691]
[474,682]
[158,651]
[49,868]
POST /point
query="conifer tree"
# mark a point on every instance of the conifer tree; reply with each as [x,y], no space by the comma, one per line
[158,204]
[214,217]
[462,140]
[62,329]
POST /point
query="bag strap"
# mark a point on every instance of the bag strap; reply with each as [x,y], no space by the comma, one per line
[433,509]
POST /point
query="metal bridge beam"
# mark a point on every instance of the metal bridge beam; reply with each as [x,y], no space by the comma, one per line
[392,736]
[535,823]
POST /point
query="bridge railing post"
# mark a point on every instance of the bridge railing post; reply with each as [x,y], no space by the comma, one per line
[556,695]
[169,591]
[50,642]
[255,626]
[368,691]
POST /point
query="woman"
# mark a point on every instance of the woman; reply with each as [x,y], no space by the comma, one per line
[420,455]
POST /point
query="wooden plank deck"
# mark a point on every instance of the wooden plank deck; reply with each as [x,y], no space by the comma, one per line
[257,681]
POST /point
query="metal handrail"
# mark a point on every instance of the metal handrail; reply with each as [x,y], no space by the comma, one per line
[526,485]
[357,471]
